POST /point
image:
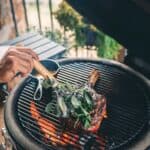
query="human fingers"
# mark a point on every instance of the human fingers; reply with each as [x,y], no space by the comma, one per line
[16,65]
[28,51]
[24,50]
[23,66]
[12,83]
[7,75]
[23,58]
[12,65]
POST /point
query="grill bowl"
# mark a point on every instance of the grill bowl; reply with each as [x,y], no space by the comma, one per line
[127,94]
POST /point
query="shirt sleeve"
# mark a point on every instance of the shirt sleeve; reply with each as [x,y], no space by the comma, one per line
[3,87]
[3,50]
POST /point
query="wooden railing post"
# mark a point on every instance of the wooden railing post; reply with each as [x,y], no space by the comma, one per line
[14,17]
[51,15]
[38,11]
[25,14]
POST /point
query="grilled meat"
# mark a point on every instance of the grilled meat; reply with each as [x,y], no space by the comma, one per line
[62,137]
[80,107]
[50,130]
[97,115]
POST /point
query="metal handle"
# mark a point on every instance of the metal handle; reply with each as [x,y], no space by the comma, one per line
[38,92]
[46,74]
[42,70]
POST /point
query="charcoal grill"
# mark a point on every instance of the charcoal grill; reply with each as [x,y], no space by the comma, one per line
[128,107]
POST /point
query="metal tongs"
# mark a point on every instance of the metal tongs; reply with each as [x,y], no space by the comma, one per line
[38,92]
[45,74]
[42,70]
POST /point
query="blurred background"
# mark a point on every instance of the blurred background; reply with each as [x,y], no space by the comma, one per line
[56,20]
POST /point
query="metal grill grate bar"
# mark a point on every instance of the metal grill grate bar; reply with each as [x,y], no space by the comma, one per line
[122,124]
[26,116]
[76,67]
[50,116]
[36,130]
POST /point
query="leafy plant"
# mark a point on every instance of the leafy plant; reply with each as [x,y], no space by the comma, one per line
[67,17]
[71,101]
[53,35]
[70,20]
[109,48]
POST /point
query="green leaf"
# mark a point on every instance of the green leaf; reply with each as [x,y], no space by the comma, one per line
[58,112]
[49,107]
[84,111]
[86,124]
[89,118]
[67,98]
[71,100]
[47,83]
[62,105]
[88,98]
[75,102]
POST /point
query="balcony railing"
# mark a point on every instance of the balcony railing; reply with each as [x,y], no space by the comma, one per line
[89,42]
[24,4]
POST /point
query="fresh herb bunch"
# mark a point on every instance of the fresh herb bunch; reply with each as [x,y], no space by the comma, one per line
[72,101]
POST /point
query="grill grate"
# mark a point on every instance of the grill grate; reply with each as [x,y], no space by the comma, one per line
[126,107]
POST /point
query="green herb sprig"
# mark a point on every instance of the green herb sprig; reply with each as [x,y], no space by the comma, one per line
[72,101]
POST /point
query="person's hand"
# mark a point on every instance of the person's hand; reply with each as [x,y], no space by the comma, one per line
[11,84]
[16,60]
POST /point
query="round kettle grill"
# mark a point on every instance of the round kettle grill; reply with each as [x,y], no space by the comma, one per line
[128,107]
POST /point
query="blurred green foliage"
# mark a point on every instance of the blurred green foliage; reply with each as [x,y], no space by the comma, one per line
[70,20]
[53,35]
[107,47]
[67,17]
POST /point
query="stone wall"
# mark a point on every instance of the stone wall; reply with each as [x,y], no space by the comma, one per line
[7,30]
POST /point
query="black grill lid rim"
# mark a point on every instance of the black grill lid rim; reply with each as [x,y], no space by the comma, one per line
[143,80]
[10,118]
[109,62]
